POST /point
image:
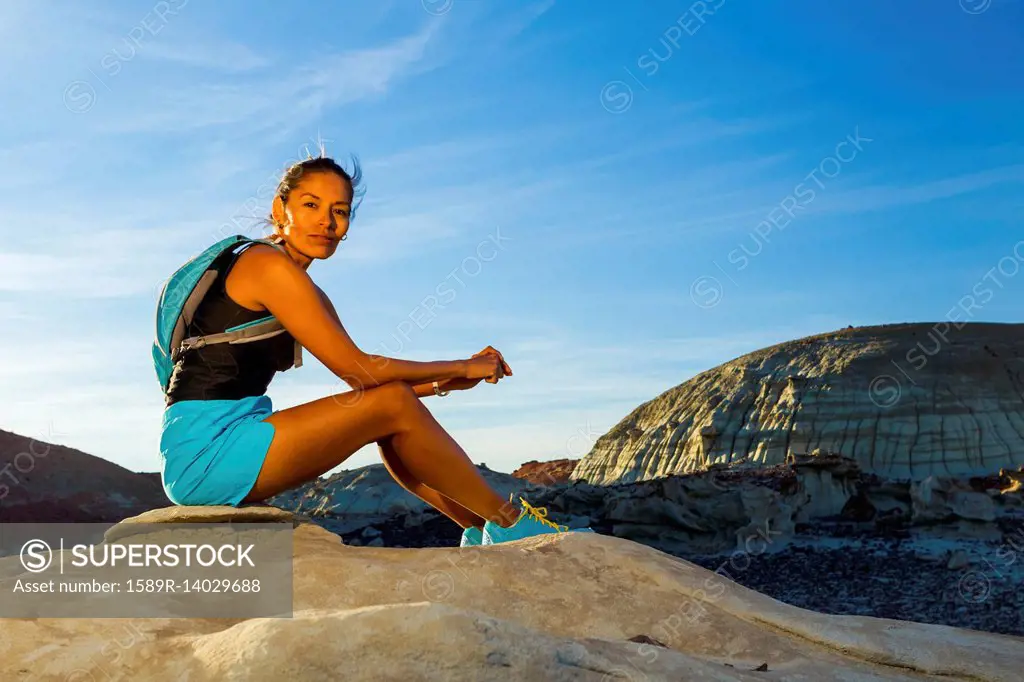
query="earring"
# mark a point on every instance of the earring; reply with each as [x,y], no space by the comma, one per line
[343,238]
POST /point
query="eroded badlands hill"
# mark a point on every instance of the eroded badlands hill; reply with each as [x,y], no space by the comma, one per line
[904,401]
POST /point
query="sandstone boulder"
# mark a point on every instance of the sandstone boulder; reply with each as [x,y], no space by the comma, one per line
[942,499]
[568,607]
[256,513]
[826,481]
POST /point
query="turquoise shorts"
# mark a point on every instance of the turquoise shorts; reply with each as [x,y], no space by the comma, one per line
[213,450]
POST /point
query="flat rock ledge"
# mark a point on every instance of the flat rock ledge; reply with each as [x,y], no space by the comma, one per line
[257,513]
[575,606]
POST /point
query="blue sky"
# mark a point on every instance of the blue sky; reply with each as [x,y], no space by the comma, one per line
[615,195]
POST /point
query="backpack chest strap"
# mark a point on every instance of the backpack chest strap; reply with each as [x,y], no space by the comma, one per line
[256,330]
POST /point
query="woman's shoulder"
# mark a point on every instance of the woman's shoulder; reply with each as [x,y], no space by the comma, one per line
[263,250]
[242,278]
[257,256]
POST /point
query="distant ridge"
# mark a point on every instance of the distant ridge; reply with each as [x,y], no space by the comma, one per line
[50,483]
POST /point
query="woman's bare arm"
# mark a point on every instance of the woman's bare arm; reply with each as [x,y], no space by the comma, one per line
[422,390]
[286,291]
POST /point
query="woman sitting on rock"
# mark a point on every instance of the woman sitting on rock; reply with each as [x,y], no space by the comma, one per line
[223,444]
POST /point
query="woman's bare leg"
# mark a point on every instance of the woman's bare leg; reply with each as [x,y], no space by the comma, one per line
[431,456]
[447,506]
[315,437]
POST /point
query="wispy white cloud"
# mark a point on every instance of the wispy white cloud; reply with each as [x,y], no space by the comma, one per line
[393,237]
[13,310]
[453,217]
[892,195]
[116,420]
[331,80]
[113,247]
[216,55]
[437,154]
[47,361]
[522,19]
[22,22]
[740,210]
[696,132]
[564,433]
[100,262]
[36,163]
[75,379]
[512,35]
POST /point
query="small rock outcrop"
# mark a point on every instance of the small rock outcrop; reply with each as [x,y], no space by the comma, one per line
[903,401]
[1015,478]
[546,473]
[618,610]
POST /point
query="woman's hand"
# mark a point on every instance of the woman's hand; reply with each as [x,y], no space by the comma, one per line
[487,364]
[504,365]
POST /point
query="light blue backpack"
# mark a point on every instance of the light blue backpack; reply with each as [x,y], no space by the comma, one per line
[180,298]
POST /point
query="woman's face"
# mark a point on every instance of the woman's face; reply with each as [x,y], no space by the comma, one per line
[316,215]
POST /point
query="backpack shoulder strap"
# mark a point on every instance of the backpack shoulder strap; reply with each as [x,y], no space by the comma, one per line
[252,331]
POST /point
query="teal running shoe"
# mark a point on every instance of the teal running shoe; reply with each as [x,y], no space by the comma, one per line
[472,537]
[532,521]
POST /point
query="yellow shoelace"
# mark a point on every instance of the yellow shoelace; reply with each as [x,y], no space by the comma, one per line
[541,514]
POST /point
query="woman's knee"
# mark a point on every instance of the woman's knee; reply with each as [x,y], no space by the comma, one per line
[399,397]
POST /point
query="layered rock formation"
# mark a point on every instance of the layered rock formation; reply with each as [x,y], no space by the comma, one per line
[617,610]
[903,401]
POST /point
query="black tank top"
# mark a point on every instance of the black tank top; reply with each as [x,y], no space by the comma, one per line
[227,371]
